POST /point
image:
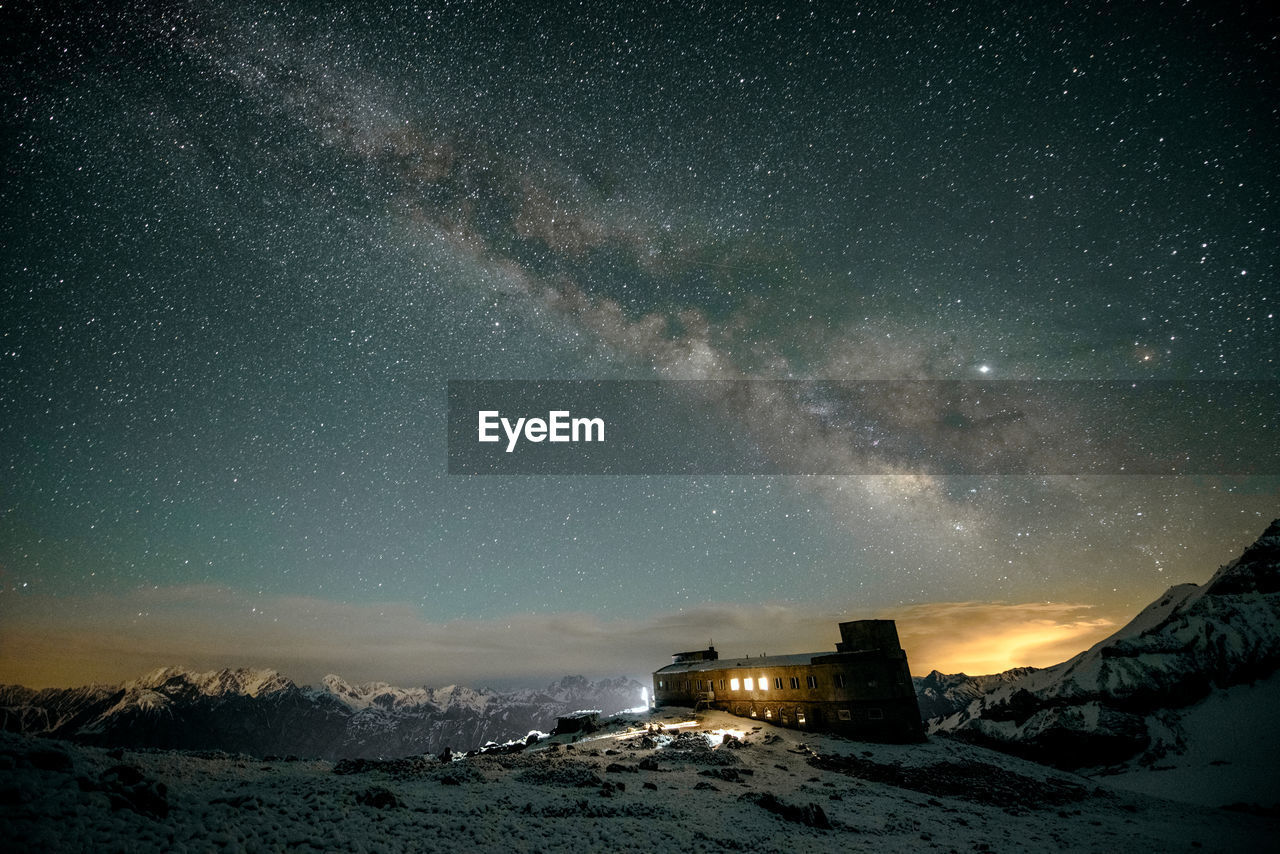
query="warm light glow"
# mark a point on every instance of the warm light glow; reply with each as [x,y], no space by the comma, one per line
[733,684]
[715,736]
[985,637]
[750,684]
[764,682]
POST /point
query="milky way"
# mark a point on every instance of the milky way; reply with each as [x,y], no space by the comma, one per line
[245,247]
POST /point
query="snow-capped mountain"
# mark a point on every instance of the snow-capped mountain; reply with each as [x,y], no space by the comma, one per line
[1129,698]
[260,712]
[942,694]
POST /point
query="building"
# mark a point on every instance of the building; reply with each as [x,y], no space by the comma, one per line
[863,689]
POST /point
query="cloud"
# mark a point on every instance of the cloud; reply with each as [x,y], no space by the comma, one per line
[987,637]
[50,641]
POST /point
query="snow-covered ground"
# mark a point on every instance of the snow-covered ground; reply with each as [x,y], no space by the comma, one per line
[627,787]
[1223,750]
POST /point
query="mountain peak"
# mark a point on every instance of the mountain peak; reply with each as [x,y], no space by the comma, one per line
[245,681]
[1257,570]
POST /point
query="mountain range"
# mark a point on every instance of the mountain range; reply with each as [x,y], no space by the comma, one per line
[260,713]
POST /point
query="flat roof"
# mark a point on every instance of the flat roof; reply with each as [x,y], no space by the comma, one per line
[736,663]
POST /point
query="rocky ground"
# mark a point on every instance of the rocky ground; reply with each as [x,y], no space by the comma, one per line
[670,781]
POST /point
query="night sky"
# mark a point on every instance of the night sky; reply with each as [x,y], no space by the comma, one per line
[246,245]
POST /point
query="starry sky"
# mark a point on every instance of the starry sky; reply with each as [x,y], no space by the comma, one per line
[246,245]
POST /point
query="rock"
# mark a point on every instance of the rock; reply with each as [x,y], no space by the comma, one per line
[125,775]
[127,788]
[577,722]
[378,798]
[243,802]
[728,774]
[49,759]
[810,814]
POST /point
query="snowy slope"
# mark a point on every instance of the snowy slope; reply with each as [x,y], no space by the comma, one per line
[633,786]
[1113,702]
[1223,750]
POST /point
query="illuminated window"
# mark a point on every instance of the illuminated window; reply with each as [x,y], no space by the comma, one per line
[875,714]
[812,680]
[661,684]
[733,684]
[839,681]
[749,683]
[795,683]
[844,714]
[768,713]
[764,683]
[753,713]
[799,717]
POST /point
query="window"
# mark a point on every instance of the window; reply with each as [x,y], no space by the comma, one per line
[764,682]
[812,680]
[777,682]
[795,683]
[721,684]
[661,684]
[839,680]
[844,714]
[875,714]
[799,716]
[749,683]
[699,684]
[753,712]
[768,713]
[733,684]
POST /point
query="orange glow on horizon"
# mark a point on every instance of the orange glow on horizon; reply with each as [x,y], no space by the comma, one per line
[980,638]
[59,641]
